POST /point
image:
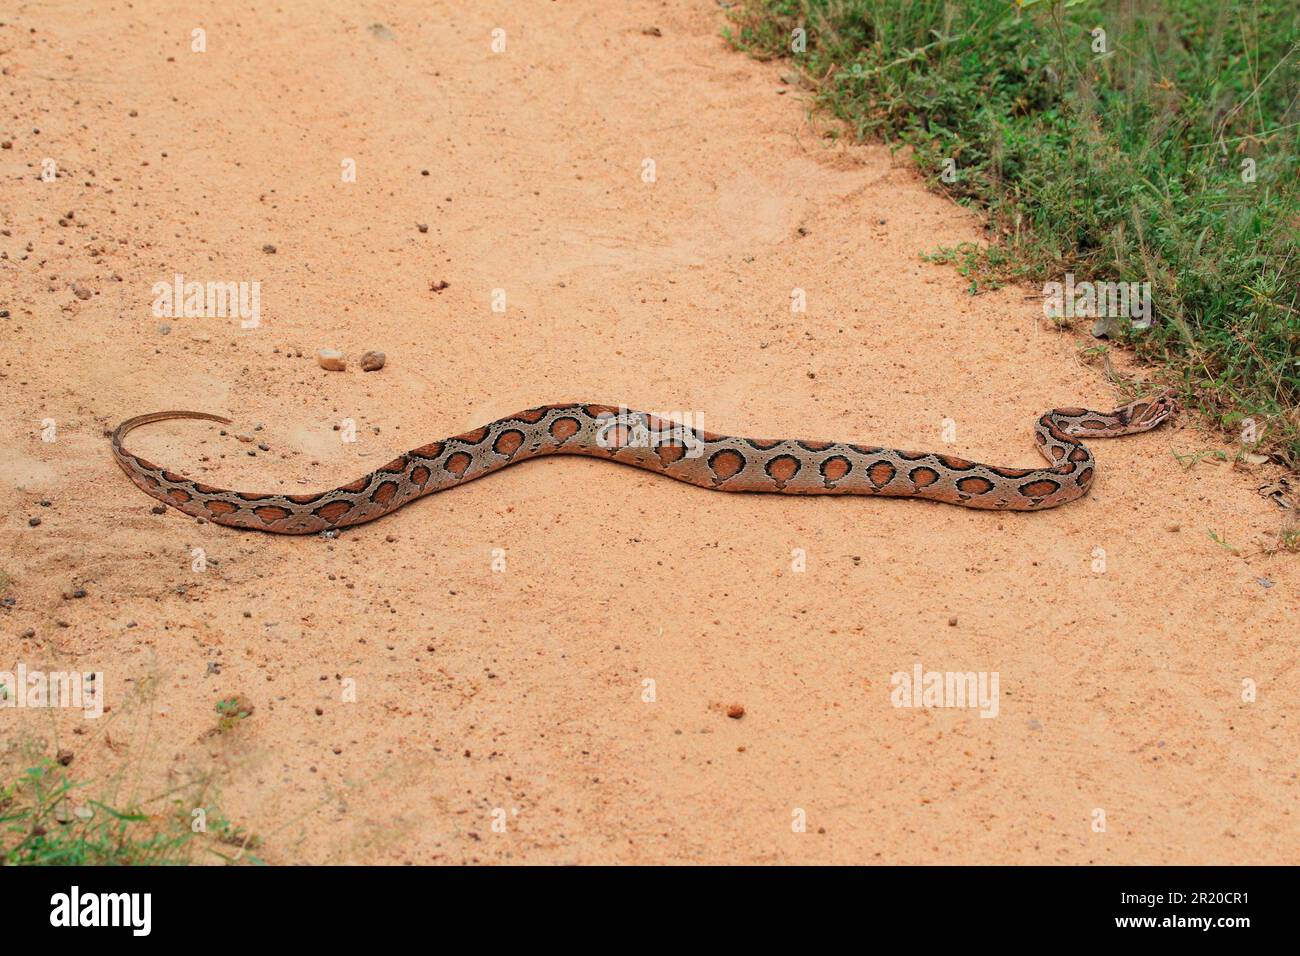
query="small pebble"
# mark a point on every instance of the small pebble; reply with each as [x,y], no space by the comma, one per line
[331,360]
[269,249]
[422,226]
[33,522]
[373,361]
[952,622]
[159,509]
[736,711]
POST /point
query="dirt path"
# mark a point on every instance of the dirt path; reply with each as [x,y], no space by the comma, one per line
[523,689]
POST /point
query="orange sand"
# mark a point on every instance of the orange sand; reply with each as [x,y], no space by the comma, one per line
[521,690]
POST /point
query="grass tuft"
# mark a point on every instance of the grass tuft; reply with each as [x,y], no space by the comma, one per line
[39,826]
[1166,151]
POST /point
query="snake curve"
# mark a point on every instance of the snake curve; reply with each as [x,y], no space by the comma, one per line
[721,462]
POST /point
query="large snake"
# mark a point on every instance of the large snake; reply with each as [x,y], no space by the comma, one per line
[721,462]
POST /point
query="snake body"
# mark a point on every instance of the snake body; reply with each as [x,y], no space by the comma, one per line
[721,462]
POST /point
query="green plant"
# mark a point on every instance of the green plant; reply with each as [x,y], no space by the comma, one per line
[40,827]
[231,711]
[1165,151]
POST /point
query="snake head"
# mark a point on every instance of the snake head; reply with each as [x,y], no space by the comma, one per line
[1147,413]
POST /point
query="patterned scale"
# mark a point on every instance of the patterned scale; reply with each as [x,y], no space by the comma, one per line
[720,462]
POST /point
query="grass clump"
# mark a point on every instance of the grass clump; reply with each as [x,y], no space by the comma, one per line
[39,826]
[1117,140]
[231,711]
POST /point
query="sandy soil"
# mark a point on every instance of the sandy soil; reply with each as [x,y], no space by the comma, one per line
[522,690]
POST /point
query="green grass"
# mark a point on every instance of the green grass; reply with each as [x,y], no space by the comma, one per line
[46,820]
[231,711]
[40,827]
[1123,166]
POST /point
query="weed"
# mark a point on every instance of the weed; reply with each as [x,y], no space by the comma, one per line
[1154,142]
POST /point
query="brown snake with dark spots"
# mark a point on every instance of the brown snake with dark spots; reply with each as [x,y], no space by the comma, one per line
[721,462]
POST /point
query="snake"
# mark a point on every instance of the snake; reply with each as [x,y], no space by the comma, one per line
[664,446]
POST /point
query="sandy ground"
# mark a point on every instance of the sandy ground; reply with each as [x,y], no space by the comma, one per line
[519,696]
